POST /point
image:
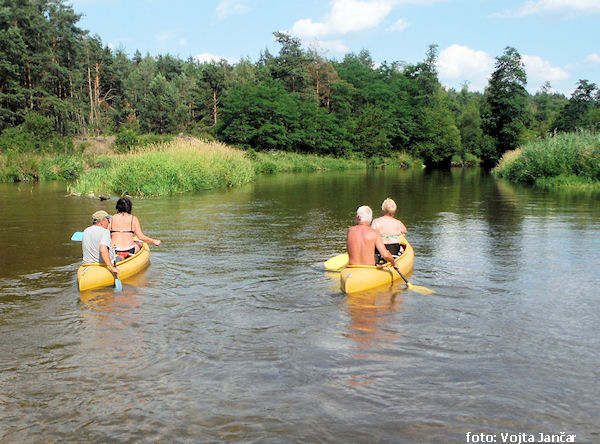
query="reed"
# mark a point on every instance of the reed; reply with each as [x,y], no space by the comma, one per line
[280,162]
[170,168]
[560,161]
[183,165]
[17,166]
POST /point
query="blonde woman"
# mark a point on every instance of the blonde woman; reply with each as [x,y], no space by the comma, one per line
[389,227]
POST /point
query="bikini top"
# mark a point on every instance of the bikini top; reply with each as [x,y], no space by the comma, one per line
[125,231]
[390,235]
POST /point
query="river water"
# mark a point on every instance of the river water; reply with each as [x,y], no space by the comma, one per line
[236,334]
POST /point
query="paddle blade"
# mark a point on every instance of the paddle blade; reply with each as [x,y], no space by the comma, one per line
[118,285]
[419,289]
[77,236]
[337,262]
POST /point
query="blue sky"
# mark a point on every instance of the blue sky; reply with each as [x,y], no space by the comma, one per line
[559,40]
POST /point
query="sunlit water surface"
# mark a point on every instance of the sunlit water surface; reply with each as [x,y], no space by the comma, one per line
[236,333]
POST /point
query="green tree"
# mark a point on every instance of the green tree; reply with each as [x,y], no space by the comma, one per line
[467,111]
[39,45]
[372,131]
[546,105]
[137,84]
[290,66]
[505,115]
[215,78]
[575,113]
[158,113]
[263,116]
[436,138]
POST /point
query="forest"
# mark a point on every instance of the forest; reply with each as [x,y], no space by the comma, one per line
[58,81]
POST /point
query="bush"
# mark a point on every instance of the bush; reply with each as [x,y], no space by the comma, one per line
[42,128]
[126,140]
[35,135]
[563,157]
[61,168]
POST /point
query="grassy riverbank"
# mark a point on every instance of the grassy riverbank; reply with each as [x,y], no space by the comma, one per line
[192,165]
[563,161]
[182,165]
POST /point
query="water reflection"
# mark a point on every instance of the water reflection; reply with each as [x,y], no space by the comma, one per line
[368,312]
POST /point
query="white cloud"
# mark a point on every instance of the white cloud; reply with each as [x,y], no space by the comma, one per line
[555,7]
[400,25]
[206,57]
[232,7]
[336,46]
[460,63]
[593,58]
[541,70]
[345,16]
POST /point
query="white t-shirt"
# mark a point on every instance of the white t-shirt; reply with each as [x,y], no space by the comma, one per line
[93,237]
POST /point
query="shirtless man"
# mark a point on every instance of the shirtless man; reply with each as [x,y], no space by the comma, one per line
[362,240]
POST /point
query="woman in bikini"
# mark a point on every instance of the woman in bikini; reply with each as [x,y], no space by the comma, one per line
[123,227]
[389,227]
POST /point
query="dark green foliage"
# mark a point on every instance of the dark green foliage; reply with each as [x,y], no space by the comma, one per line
[35,135]
[126,139]
[159,107]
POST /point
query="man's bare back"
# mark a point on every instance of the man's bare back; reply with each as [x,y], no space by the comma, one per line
[362,240]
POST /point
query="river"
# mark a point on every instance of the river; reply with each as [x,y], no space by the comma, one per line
[236,334]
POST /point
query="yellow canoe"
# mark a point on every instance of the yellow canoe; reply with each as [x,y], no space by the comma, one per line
[356,278]
[92,276]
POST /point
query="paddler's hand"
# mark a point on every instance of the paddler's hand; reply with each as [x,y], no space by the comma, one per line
[114,269]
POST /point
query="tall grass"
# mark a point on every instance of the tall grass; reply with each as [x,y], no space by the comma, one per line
[17,166]
[564,160]
[284,162]
[170,168]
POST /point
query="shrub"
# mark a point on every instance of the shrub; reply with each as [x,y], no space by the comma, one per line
[563,157]
[42,128]
[125,140]
[61,167]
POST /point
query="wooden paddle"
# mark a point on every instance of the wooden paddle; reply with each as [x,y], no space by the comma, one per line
[417,288]
[336,263]
[78,237]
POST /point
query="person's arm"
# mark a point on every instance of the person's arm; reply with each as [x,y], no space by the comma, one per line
[105,253]
[137,229]
[403,229]
[385,253]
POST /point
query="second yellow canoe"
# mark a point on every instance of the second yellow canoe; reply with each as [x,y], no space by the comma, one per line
[357,278]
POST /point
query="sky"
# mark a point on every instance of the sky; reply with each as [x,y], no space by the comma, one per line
[559,40]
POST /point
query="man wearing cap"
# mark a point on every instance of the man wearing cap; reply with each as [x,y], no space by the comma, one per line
[96,241]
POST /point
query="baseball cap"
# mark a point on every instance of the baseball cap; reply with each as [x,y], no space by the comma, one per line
[99,215]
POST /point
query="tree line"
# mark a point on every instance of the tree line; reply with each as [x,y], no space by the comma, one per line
[57,80]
